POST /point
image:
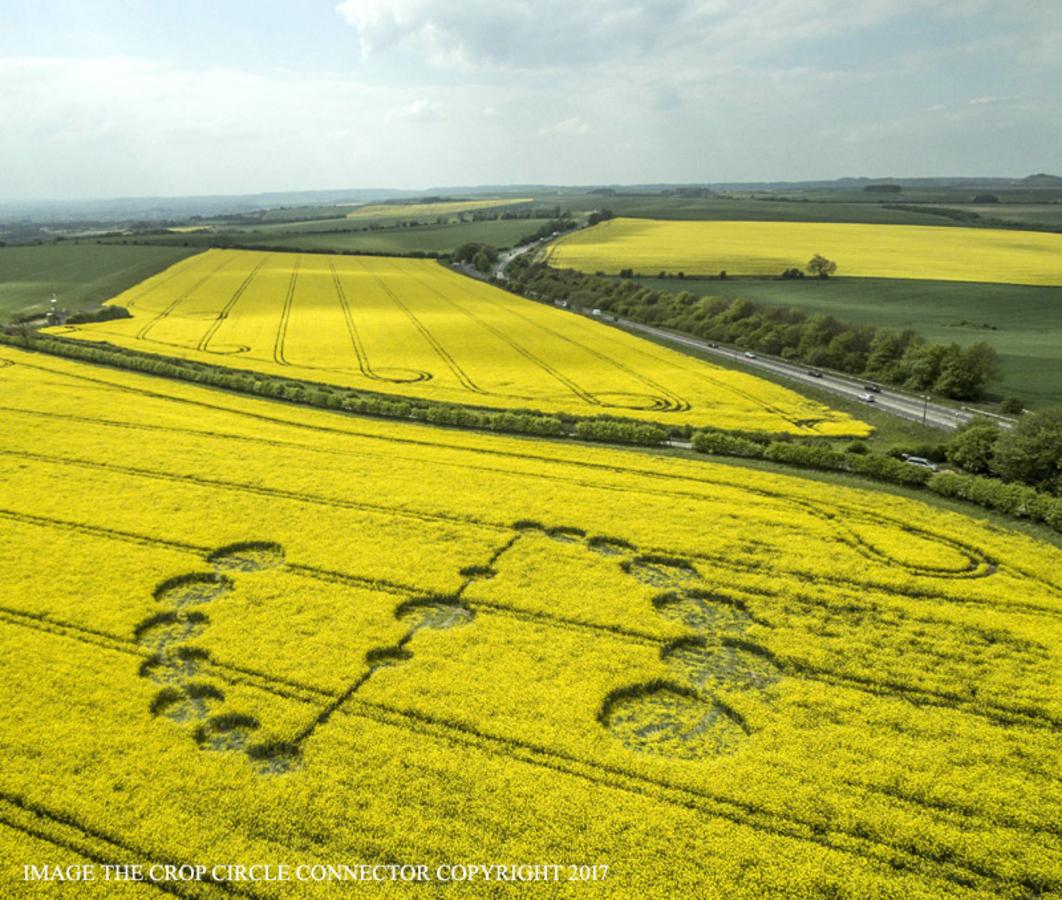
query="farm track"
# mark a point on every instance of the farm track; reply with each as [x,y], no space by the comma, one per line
[671,402]
[607,775]
[536,361]
[458,372]
[223,314]
[142,334]
[285,316]
[360,351]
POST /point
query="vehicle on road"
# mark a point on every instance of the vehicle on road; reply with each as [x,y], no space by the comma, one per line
[867,398]
[750,354]
[873,388]
[713,345]
[920,461]
[815,373]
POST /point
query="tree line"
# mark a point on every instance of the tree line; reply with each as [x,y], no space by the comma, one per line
[903,358]
[1016,472]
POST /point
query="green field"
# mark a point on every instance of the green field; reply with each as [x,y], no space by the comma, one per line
[426,238]
[1027,320]
[1033,208]
[343,237]
[80,275]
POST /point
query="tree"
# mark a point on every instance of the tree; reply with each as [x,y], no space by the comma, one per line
[821,266]
[973,445]
[1031,452]
[963,374]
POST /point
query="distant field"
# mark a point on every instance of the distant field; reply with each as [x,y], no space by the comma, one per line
[767,248]
[413,327]
[1027,320]
[79,274]
[425,238]
[1041,214]
[349,234]
[421,210]
[749,209]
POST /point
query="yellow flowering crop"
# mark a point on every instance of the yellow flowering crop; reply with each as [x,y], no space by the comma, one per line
[413,328]
[430,210]
[650,246]
[241,631]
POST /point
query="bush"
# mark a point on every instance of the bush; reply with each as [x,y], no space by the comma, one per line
[1011,406]
[1012,499]
[885,468]
[620,432]
[1031,452]
[813,456]
[857,447]
[104,314]
[723,444]
[972,445]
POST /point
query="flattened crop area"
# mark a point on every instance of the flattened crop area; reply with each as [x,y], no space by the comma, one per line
[412,328]
[767,248]
[240,631]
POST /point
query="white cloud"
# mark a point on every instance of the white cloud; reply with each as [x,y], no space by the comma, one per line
[566,127]
[533,34]
[423,110]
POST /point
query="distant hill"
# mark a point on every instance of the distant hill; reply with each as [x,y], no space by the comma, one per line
[161,209]
[1042,180]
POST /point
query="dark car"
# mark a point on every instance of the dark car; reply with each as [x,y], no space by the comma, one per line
[815,373]
[873,388]
[712,344]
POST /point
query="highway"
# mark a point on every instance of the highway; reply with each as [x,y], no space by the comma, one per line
[908,406]
[914,407]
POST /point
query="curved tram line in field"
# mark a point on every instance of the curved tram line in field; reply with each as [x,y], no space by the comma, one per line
[223,314]
[459,373]
[285,316]
[393,375]
[664,401]
[142,334]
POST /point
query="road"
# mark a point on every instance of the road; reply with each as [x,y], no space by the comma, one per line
[890,400]
[907,406]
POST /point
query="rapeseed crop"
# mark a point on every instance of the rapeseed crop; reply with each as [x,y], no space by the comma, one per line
[430,210]
[413,328]
[651,246]
[242,631]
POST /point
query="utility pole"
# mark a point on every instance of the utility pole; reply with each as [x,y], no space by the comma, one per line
[925,407]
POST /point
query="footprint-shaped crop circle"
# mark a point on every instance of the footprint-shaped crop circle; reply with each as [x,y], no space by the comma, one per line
[185,697]
[672,720]
[247,556]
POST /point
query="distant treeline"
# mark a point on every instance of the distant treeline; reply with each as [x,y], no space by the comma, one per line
[901,358]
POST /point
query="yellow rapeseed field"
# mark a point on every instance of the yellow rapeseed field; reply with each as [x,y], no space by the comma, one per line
[238,632]
[430,210]
[414,328]
[767,248]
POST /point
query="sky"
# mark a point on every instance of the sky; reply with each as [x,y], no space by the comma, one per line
[142,98]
